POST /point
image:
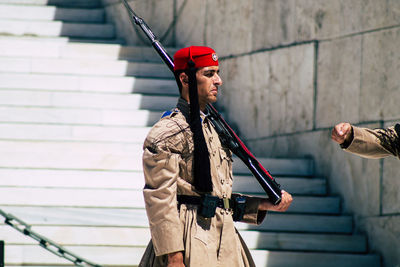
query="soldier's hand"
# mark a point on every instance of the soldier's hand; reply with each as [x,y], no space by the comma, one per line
[341,132]
[282,206]
[175,259]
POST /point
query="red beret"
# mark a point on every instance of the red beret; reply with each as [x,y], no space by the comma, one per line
[202,56]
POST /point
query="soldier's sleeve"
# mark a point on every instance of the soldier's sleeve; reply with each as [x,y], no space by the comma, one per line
[161,170]
[376,143]
[252,214]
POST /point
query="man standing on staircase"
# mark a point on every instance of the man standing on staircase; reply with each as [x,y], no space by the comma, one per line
[188,175]
[368,143]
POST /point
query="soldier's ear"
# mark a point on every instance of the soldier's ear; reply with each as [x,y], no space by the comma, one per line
[184,78]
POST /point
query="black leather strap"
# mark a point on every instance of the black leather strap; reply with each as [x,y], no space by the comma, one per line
[197,200]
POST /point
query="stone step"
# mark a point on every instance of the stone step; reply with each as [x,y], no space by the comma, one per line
[56,28]
[49,132]
[60,3]
[84,67]
[86,83]
[96,156]
[68,216]
[297,167]
[130,256]
[47,40]
[294,185]
[130,179]
[120,236]
[315,205]
[128,198]
[83,40]
[32,178]
[62,48]
[71,155]
[92,117]
[303,223]
[85,217]
[305,242]
[49,13]
[306,259]
[14,97]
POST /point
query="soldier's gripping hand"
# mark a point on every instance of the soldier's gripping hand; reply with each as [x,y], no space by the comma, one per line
[342,133]
[282,206]
[175,259]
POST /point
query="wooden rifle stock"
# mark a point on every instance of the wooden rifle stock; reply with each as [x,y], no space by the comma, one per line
[227,136]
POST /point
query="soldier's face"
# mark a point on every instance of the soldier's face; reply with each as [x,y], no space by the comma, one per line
[208,80]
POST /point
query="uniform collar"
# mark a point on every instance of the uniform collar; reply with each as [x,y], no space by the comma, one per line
[184,108]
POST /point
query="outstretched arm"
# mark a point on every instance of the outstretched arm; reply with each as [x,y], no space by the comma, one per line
[368,143]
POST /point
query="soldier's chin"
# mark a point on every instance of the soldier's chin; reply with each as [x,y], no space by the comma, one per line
[213,99]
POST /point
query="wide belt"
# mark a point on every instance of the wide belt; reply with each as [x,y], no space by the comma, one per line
[224,203]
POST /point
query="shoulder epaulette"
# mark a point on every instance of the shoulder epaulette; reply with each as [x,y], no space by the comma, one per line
[166,113]
[169,113]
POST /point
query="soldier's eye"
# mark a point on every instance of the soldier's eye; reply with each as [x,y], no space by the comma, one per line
[209,74]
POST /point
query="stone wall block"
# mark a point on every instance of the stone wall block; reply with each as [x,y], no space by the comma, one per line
[291,89]
[237,94]
[191,23]
[384,237]
[157,14]
[228,26]
[327,19]
[274,91]
[288,21]
[310,18]
[273,23]
[338,83]
[391,186]
[380,76]
[380,13]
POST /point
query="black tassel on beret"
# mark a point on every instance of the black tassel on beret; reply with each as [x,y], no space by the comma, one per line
[201,160]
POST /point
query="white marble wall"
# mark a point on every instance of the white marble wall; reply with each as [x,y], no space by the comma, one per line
[274,89]
[292,69]
[159,14]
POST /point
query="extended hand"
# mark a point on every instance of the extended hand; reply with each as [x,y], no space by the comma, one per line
[282,206]
[175,259]
[341,132]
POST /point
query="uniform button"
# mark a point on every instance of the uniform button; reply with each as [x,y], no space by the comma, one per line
[222,181]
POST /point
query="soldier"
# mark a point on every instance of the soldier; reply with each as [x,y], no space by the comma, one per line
[368,143]
[188,174]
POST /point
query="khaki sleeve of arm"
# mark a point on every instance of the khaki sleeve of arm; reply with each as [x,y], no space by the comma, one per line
[374,144]
[252,214]
[161,170]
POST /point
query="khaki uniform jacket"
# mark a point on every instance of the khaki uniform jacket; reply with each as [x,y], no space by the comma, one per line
[167,164]
[376,143]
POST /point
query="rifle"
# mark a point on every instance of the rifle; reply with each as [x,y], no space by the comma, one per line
[227,136]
